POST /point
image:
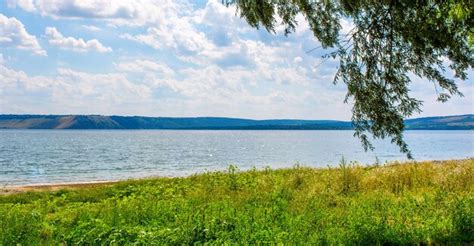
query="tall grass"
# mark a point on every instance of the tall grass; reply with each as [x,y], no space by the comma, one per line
[398,203]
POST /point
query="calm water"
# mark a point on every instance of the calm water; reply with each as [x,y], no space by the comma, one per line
[52,156]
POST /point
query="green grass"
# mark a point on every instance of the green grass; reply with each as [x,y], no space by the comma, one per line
[411,203]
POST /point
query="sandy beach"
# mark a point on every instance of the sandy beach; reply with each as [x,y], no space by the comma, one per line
[53,187]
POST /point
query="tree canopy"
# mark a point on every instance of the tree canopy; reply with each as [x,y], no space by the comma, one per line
[390,42]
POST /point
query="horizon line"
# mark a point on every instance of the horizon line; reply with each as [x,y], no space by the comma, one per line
[216,117]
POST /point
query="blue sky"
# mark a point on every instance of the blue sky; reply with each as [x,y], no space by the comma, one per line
[170,58]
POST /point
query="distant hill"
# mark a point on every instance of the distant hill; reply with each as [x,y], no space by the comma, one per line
[458,122]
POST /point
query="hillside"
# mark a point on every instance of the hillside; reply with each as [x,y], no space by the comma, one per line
[458,122]
[442,123]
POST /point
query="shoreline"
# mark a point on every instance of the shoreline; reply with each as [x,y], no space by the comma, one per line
[5,190]
[54,186]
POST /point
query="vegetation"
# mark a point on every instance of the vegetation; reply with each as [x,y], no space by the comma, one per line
[453,122]
[390,42]
[412,203]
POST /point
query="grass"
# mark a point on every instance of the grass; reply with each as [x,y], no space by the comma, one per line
[410,203]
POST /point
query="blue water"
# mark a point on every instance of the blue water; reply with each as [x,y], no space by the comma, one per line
[59,156]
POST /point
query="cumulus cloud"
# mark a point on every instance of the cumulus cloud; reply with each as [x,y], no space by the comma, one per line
[197,36]
[177,34]
[206,61]
[13,34]
[124,12]
[27,5]
[215,35]
[109,86]
[74,44]
[68,91]
[233,72]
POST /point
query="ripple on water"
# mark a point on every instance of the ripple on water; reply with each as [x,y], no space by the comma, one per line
[39,156]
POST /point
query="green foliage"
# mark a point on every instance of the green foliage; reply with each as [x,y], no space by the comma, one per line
[349,177]
[390,40]
[413,203]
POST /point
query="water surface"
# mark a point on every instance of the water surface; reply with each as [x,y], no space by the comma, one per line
[57,156]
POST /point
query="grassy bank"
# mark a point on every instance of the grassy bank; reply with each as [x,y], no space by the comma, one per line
[428,202]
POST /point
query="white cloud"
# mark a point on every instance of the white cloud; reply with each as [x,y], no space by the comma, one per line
[13,34]
[13,80]
[110,86]
[91,28]
[223,66]
[215,35]
[27,5]
[233,72]
[207,33]
[178,34]
[426,91]
[68,91]
[141,66]
[74,44]
[123,12]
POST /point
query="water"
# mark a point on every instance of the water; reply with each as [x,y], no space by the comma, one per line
[59,156]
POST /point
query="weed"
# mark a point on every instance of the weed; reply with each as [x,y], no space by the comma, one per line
[411,203]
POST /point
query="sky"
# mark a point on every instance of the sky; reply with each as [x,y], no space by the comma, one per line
[173,58]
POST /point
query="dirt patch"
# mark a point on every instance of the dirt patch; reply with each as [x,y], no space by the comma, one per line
[52,187]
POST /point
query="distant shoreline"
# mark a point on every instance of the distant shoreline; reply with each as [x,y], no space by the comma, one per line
[457,122]
[212,129]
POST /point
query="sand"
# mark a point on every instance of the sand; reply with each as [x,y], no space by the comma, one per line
[51,187]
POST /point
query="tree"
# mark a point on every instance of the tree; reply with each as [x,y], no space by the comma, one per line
[391,41]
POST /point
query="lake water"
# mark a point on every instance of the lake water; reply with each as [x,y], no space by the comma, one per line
[59,156]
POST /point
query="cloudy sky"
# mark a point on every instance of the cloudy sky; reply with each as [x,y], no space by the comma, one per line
[169,58]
